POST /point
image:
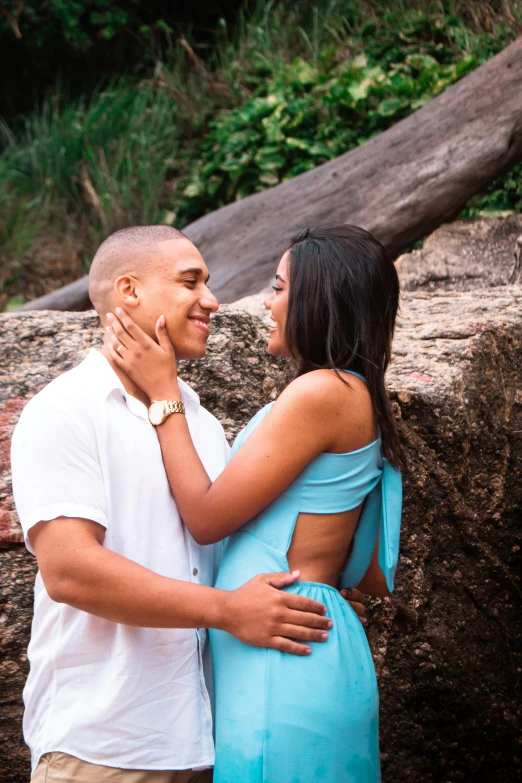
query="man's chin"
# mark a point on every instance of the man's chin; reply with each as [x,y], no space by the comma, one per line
[191,353]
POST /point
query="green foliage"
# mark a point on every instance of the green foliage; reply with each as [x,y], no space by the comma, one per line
[502,198]
[14,303]
[109,156]
[79,23]
[306,115]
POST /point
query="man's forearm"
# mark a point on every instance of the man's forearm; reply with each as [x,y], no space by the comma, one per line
[108,585]
[77,570]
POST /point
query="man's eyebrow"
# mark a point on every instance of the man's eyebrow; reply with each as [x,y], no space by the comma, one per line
[194,270]
[278,277]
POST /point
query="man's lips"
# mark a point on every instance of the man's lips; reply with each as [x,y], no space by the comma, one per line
[201,322]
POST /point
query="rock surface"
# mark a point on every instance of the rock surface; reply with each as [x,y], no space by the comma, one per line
[447,646]
[463,255]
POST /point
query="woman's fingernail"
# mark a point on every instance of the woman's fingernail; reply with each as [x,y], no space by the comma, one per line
[295,573]
[329,624]
[162,320]
[110,316]
[108,329]
[119,311]
[324,636]
[308,650]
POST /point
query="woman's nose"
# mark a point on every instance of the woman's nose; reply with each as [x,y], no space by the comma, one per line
[268,301]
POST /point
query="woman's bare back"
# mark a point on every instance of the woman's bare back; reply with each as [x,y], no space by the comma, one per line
[321,542]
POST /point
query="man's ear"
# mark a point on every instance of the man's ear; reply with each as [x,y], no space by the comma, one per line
[126,288]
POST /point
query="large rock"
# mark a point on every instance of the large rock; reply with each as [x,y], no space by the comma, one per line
[447,646]
[464,255]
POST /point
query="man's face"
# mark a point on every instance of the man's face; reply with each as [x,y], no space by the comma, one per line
[176,287]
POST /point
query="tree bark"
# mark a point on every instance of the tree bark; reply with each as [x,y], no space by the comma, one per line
[399,185]
[74,296]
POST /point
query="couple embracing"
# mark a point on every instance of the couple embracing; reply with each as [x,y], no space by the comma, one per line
[147,532]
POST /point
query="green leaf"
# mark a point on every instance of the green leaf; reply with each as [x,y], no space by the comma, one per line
[465,65]
[422,62]
[193,189]
[390,106]
[321,149]
[269,158]
[269,178]
[360,91]
[302,72]
[297,144]
[14,303]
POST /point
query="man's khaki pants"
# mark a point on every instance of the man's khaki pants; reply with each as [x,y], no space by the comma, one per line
[61,768]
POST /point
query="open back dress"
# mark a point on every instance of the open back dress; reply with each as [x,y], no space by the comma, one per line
[282,718]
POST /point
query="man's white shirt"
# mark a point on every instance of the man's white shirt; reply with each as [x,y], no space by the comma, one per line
[109,693]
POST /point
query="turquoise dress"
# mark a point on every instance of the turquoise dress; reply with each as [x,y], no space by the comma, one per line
[287,719]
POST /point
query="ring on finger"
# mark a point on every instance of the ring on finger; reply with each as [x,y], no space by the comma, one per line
[120,346]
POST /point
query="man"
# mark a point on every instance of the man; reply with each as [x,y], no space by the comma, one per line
[116,690]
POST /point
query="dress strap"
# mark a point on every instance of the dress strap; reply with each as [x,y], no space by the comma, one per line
[390,526]
[381,515]
[358,374]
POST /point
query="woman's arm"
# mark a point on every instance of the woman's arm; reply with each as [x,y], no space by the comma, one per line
[299,427]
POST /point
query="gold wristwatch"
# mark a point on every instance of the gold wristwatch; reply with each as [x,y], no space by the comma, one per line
[161,409]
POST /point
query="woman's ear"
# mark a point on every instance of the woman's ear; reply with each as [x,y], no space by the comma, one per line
[126,289]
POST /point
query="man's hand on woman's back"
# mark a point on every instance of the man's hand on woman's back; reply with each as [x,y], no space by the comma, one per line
[356,600]
[77,570]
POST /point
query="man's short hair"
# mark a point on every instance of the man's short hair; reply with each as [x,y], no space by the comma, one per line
[129,250]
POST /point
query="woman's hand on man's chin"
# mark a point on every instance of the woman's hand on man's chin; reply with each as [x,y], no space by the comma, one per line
[150,365]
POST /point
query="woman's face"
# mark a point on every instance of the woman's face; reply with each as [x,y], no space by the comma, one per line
[277,303]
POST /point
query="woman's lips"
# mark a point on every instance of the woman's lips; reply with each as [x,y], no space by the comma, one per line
[200,324]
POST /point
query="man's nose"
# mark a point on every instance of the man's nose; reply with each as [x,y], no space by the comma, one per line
[208,301]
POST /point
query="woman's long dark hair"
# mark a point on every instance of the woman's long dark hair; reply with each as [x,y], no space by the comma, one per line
[343,301]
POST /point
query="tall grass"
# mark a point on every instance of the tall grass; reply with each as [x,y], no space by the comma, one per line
[131,152]
[109,155]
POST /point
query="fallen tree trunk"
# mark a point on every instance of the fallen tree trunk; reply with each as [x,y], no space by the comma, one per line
[74,296]
[400,185]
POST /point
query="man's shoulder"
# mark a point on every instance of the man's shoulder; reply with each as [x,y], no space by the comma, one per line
[70,391]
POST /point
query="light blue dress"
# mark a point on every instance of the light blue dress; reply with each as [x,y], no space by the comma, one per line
[287,719]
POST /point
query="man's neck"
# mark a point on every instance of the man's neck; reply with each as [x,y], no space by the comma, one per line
[128,384]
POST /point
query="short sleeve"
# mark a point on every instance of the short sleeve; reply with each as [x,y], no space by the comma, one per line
[56,469]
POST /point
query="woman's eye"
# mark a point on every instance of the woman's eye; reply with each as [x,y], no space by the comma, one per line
[191,282]
[276,288]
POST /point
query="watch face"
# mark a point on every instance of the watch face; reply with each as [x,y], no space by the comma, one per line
[156,413]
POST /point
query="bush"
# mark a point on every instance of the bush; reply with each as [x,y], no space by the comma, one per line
[109,156]
[305,116]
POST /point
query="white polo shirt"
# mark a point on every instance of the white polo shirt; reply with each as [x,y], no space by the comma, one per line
[104,692]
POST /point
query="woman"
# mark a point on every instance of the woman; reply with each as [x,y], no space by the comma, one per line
[312,485]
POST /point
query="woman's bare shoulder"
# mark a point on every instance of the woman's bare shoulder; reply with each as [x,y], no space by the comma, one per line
[312,390]
[320,383]
[336,405]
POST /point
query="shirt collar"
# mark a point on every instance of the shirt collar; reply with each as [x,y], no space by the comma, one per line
[105,381]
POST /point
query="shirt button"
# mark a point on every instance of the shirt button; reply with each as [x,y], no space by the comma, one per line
[195,571]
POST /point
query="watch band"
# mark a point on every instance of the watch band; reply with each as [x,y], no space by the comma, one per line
[160,410]
[174,406]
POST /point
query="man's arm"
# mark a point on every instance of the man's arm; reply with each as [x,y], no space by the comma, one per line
[77,570]
[374,582]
